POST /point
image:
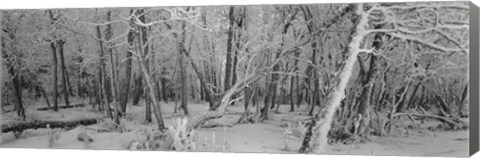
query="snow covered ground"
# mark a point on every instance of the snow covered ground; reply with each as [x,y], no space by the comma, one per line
[264,137]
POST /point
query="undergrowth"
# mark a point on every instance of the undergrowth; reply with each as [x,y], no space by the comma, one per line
[177,138]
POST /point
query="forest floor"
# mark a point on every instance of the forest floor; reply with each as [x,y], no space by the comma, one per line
[266,137]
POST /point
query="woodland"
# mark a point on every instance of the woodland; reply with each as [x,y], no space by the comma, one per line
[313,78]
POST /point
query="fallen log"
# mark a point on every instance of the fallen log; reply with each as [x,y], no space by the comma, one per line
[77,105]
[35,124]
[452,122]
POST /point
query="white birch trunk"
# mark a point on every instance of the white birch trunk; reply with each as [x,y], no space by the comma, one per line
[321,129]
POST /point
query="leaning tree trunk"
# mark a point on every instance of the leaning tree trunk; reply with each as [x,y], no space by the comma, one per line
[463,110]
[45,96]
[203,83]
[145,64]
[197,120]
[324,120]
[151,91]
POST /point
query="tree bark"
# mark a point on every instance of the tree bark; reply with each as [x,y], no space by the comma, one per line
[203,83]
[124,93]
[144,66]
[184,88]
[265,109]
[324,118]
[60,44]
[103,74]
[35,124]
[462,109]
[45,96]
[237,39]
[55,79]
[156,105]
[53,47]
[16,79]
[230,40]
[113,78]
[291,91]
[163,82]
[183,65]
[138,89]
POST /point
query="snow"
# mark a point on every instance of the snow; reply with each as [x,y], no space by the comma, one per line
[266,137]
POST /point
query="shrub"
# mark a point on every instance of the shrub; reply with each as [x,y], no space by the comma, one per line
[53,136]
[147,139]
[183,139]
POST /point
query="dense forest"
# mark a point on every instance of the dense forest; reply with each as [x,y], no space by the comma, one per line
[334,73]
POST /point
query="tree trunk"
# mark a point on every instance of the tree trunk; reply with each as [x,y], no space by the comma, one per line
[113,78]
[412,96]
[364,107]
[53,47]
[315,97]
[18,92]
[55,78]
[183,80]
[368,83]
[209,69]
[45,96]
[237,39]
[69,85]
[324,119]
[299,91]
[158,92]
[290,95]
[265,109]
[462,109]
[148,106]
[139,89]
[163,82]
[102,73]
[89,89]
[156,105]
[280,100]
[16,78]
[98,92]
[230,40]
[183,66]
[276,68]
[60,44]
[144,66]
[125,89]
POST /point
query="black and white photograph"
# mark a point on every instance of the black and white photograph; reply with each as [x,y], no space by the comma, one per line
[376,78]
